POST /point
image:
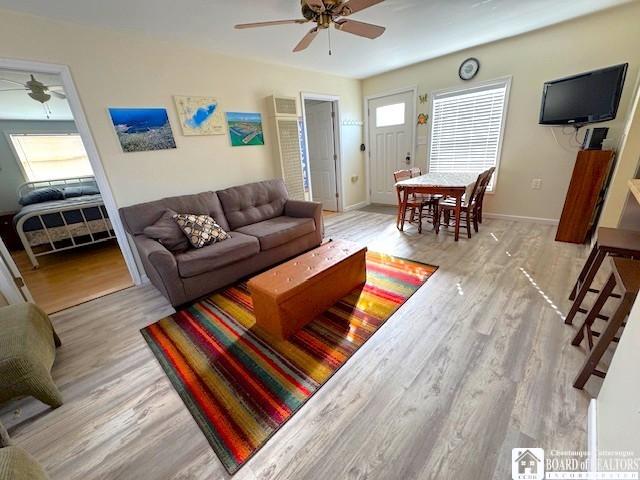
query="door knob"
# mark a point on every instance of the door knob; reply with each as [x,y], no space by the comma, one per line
[407,160]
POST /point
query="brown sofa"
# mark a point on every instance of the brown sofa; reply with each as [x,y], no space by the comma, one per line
[266,228]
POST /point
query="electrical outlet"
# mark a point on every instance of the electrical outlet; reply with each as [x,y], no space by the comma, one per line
[536,183]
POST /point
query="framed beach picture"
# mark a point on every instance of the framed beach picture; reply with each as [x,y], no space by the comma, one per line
[245,129]
[142,129]
[200,115]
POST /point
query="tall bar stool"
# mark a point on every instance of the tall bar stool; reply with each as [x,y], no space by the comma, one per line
[626,278]
[609,241]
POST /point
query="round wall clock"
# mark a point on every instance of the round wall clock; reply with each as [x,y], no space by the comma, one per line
[469,68]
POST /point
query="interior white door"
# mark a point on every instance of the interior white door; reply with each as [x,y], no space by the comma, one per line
[391,132]
[322,153]
[12,286]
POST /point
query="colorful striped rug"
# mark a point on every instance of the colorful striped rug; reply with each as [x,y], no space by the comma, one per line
[240,389]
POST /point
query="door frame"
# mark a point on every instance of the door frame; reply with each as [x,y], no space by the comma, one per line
[337,137]
[414,108]
[84,130]
[9,275]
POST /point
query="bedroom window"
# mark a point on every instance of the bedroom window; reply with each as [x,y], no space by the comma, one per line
[467,128]
[51,156]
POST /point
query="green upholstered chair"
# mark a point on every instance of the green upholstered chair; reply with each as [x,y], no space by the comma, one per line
[27,350]
[17,464]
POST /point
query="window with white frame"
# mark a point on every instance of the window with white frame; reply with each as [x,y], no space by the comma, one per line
[51,156]
[466,128]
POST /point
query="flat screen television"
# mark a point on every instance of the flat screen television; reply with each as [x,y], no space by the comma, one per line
[585,98]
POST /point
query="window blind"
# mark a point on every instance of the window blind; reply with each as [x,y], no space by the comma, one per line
[51,157]
[466,129]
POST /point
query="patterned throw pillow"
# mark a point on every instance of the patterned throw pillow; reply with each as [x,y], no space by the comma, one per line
[201,230]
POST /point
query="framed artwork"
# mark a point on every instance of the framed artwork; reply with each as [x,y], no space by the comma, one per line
[200,115]
[142,129]
[245,129]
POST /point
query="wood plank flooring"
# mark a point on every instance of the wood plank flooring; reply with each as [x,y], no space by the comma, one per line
[72,277]
[476,363]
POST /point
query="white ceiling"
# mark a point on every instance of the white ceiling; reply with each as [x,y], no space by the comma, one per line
[416,29]
[17,105]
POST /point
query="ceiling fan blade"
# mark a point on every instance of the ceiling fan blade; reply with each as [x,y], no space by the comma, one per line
[306,40]
[269,24]
[353,6]
[316,5]
[13,90]
[55,93]
[361,29]
[11,81]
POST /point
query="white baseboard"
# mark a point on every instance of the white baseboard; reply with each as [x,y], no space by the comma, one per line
[144,280]
[356,206]
[592,436]
[517,218]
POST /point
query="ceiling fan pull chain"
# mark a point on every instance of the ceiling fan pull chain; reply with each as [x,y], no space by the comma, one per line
[329,30]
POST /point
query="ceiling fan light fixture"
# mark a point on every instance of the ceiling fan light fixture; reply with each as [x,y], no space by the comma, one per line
[40,96]
[327,12]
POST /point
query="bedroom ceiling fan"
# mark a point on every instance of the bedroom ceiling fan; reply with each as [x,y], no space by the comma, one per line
[37,90]
[325,13]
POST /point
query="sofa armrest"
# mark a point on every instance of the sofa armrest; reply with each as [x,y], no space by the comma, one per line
[161,267]
[302,209]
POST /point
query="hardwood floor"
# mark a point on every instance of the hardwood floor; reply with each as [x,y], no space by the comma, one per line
[476,363]
[75,276]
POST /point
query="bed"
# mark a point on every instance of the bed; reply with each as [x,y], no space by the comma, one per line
[57,225]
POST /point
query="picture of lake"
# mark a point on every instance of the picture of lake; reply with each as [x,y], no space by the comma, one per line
[142,129]
[245,129]
[200,115]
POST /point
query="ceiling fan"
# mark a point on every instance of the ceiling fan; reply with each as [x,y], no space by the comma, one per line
[37,90]
[325,13]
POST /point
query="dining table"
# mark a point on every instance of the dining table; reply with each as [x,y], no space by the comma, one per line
[448,184]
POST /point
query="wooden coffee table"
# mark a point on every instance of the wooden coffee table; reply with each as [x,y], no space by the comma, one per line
[292,294]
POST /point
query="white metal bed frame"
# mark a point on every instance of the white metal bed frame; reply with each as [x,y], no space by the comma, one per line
[29,186]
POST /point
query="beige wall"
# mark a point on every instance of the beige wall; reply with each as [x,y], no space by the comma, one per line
[529,150]
[121,69]
[626,167]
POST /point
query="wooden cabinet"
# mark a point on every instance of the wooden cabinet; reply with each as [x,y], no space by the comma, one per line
[585,196]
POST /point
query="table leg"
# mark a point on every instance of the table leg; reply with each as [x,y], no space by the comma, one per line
[405,201]
[457,214]
[399,207]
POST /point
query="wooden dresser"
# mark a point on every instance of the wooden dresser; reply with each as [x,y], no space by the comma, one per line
[585,196]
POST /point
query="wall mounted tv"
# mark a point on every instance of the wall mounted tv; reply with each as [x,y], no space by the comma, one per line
[585,98]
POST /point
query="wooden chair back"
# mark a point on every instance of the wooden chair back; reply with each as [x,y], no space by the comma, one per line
[401,175]
[398,176]
[415,171]
[485,184]
[473,198]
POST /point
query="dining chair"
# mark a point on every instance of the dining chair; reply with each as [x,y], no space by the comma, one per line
[469,211]
[430,201]
[480,201]
[416,204]
[415,171]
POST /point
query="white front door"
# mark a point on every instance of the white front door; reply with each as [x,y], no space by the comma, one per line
[391,132]
[12,285]
[322,153]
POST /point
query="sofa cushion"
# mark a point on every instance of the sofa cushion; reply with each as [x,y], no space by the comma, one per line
[253,203]
[168,233]
[137,217]
[278,231]
[201,230]
[196,261]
